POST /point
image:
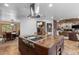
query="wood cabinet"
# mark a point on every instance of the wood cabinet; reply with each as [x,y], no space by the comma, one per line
[36,49]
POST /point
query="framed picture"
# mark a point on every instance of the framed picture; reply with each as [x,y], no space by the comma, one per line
[40,28]
[49,27]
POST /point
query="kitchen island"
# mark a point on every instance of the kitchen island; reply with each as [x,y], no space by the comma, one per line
[41,45]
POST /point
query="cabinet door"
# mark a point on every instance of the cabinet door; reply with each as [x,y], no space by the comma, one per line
[52,50]
[60,47]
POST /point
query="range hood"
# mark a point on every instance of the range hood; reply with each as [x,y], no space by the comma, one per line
[33,10]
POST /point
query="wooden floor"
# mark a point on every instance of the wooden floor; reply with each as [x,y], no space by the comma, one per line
[11,48]
[71,47]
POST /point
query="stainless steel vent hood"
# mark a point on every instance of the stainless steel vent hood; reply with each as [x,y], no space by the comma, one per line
[33,11]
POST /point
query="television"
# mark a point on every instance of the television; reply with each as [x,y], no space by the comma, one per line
[75,26]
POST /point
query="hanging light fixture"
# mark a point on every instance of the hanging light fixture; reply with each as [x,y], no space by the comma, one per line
[12,24]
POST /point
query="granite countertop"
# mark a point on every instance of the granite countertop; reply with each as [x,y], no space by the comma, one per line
[47,41]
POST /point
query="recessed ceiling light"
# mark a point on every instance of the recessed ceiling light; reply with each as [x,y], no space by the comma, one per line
[50,5]
[6,5]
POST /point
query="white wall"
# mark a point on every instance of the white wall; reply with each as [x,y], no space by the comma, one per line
[28,26]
